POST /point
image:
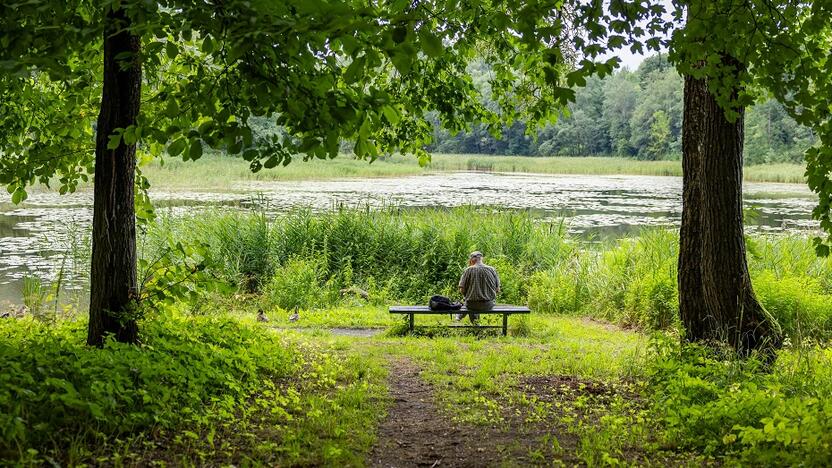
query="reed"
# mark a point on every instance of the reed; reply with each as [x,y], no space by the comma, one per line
[305,259]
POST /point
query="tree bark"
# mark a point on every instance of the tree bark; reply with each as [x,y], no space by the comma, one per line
[694,317]
[113,272]
[716,299]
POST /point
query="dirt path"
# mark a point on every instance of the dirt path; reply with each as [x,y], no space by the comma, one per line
[415,433]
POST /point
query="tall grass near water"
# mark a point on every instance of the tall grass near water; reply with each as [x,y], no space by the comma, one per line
[394,254]
[220,172]
[312,260]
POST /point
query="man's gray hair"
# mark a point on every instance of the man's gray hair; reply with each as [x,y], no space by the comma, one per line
[475,254]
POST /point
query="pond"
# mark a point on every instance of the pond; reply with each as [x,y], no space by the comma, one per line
[44,236]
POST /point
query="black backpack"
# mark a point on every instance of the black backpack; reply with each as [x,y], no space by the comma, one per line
[443,303]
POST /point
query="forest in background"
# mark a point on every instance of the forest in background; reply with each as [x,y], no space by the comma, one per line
[636,114]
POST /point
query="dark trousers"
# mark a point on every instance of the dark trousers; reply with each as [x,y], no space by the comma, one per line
[474,307]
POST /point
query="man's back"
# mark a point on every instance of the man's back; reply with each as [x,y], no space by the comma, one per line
[479,283]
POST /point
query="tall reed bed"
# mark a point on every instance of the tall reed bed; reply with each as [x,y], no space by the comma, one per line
[306,260]
[394,254]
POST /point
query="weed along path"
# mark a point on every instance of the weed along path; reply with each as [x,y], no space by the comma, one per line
[571,395]
[415,433]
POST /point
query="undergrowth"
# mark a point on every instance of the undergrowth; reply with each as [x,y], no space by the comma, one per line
[198,390]
[352,257]
[740,410]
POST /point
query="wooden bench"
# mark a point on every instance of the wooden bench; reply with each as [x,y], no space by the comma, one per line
[503,309]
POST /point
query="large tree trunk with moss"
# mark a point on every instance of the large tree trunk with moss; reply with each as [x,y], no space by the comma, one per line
[113,274]
[716,300]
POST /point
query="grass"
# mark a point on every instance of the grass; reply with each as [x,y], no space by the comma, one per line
[200,390]
[211,386]
[224,173]
[224,389]
[324,264]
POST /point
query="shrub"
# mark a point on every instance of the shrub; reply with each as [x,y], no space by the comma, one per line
[740,410]
[651,302]
[240,247]
[798,303]
[407,255]
[512,281]
[297,284]
[55,391]
[556,292]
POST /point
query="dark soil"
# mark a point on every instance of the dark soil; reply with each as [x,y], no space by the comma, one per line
[415,433]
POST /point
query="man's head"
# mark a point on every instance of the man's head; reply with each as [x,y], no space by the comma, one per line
[475,257]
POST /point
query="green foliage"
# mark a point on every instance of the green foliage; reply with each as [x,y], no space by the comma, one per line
[659,139]
[736,408]
[199,390]
[632,282]
[635,114]
[54,390]
[234,246]
[297,284]
[401,255]
[34,294]
[325,260]
[368,74]
[171,272]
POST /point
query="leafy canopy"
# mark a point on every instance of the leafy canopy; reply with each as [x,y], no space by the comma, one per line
[368,72]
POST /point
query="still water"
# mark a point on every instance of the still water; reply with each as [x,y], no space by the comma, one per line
[35,236]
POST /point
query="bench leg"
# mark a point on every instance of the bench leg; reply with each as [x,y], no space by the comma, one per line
[411,323]
[505,324]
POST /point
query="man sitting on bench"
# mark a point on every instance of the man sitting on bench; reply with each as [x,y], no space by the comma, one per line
[480,285]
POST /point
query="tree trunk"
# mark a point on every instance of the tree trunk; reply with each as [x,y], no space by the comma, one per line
[113,274]
[716,300]
[691,295]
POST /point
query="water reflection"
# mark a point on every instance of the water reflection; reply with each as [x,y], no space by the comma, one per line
[35,236]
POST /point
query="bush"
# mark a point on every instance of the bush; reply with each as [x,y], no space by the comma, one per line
[512,281]
[651,302]
[405,256]
[408,254]
[240,247]
[798,303]
[739,409]
[55,391]
[297,284]
[556,292]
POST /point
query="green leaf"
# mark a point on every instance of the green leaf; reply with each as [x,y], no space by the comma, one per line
[576,78]
[172,109]
[207,45]
[399,34]
[354,69]
[114,141]
[271,162]
[821,249]
[431,45]
[178,145]
[195,151]
[401,60]
[235,147]
[391,114]
[19,195]
[171,50]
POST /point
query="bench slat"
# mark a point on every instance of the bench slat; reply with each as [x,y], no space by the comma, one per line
[422,309]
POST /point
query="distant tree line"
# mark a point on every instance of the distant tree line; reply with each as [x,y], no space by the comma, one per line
[636,114]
